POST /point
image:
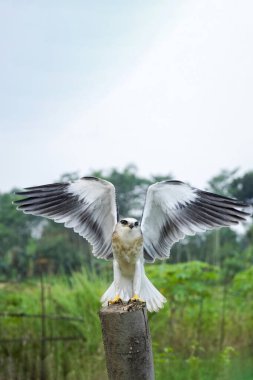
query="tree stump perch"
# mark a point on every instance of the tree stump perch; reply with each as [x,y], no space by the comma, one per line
[127,341]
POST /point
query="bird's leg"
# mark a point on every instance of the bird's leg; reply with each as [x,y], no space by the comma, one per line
[137,282]
[116,274]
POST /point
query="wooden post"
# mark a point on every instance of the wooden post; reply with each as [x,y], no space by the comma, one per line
[127,341]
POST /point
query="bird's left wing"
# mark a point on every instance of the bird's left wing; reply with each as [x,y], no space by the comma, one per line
[174,209]
[87,205]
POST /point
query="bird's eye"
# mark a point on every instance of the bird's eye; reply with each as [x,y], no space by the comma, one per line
[136,224]
[124,222]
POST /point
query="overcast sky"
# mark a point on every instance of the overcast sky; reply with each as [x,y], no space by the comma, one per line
[166,85]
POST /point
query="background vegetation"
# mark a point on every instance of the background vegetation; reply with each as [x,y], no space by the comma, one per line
[204,332]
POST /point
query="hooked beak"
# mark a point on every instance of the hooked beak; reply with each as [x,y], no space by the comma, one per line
[131,225]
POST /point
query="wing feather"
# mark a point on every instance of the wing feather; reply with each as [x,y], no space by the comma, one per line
[87,205]
[174,209]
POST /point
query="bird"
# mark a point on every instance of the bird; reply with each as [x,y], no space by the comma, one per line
[172,210]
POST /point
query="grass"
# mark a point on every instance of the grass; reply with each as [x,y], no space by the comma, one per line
[200,334]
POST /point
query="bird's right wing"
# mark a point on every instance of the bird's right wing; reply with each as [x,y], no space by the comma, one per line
[87,205]
[174,209]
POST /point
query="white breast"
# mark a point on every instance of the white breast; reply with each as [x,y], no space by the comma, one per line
[127,249]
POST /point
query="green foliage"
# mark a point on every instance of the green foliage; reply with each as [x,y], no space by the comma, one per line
[185,334]
[77,296]
[221,183]
[242,187]
[243,283]
[227,365]
[15,233]
[61,249]
[226,183]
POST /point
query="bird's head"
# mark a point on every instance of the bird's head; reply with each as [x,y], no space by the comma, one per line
[128,227]
[129,222]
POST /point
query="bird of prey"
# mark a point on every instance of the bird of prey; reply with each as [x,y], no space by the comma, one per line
[172,210]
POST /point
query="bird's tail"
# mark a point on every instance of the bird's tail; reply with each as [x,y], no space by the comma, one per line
[148,293]
[153,298]
[125,291]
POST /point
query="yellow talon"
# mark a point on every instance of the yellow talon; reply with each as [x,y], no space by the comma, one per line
[115,300]
[136,298]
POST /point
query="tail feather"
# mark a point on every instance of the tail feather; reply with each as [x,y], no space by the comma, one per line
[153,298]
[125,291]
[148,293]
[108,295]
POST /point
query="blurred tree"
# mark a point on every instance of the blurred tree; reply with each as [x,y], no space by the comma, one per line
[223,252]
[15,231]
[67,177]
[220,183]
[61,250]
[242,187]
[226,183]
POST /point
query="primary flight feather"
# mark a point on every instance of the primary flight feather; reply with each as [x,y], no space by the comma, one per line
[172,210]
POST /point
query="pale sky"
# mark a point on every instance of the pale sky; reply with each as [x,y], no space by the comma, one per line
[166,85]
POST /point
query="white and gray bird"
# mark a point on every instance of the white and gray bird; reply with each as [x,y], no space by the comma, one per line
[172,210]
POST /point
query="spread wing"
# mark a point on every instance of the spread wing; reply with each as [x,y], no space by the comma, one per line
[174,209]
[87,205]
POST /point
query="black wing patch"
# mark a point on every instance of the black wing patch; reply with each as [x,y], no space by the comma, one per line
[173,210]
[57,201]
